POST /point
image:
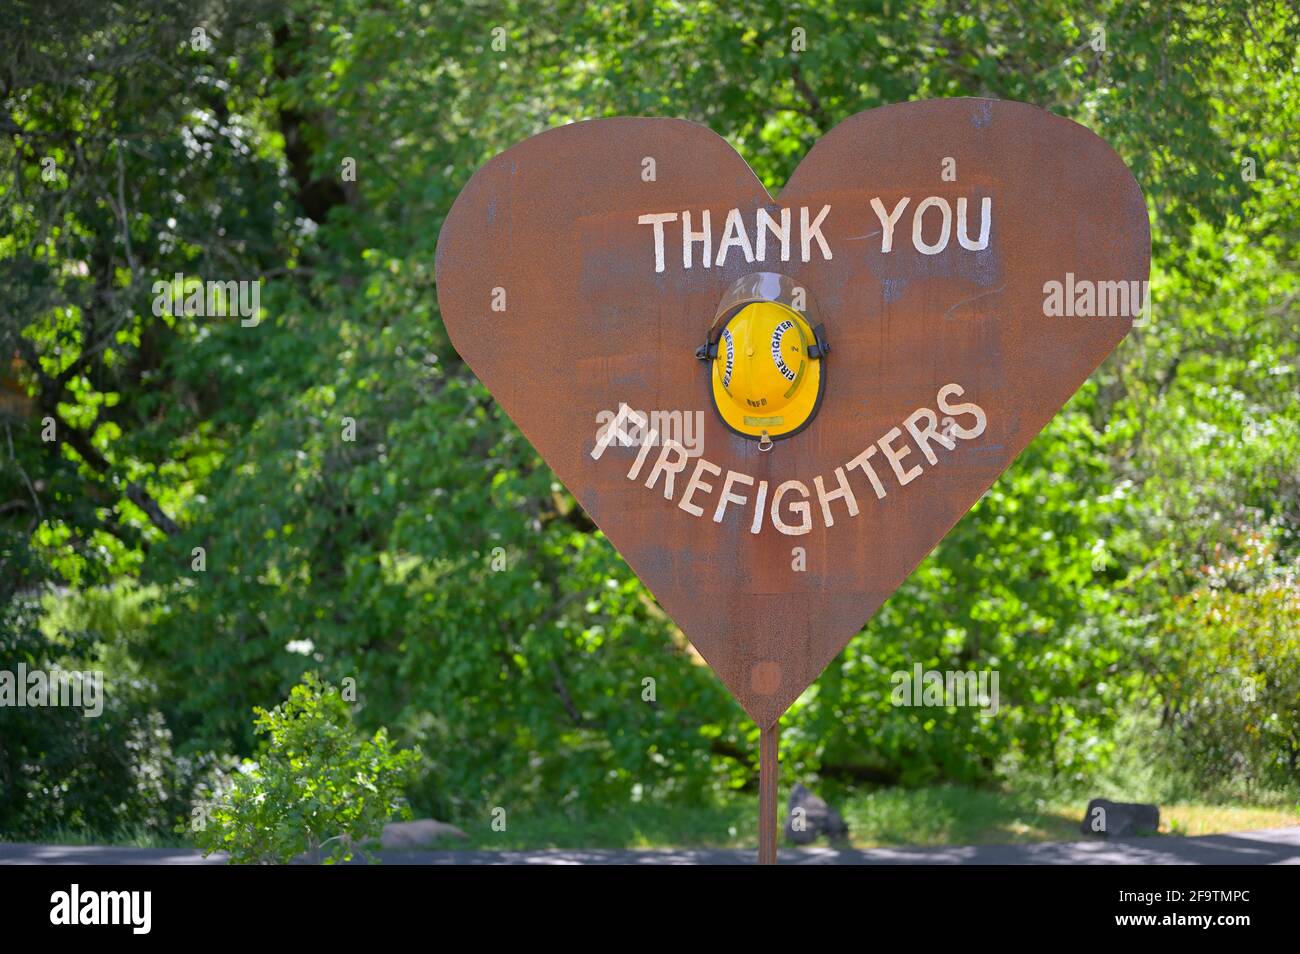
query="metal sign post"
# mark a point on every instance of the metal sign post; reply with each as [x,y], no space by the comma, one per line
[774,409]
[769,770]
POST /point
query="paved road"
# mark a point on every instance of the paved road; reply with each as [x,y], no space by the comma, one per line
[1273,846]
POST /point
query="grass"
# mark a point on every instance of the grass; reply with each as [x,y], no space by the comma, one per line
[956,815]
[126,838]
[953,815]
[724,824]
[1214,819]
[936,815]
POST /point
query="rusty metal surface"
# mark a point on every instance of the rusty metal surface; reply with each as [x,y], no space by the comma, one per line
[589,323]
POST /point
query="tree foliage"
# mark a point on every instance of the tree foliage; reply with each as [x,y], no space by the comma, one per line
[433,557]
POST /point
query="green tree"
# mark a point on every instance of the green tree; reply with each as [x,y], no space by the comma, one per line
[432,556]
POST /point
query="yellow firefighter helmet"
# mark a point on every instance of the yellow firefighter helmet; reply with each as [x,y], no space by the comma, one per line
[767,360]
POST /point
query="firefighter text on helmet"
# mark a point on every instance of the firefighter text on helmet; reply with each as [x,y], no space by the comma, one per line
[791,506]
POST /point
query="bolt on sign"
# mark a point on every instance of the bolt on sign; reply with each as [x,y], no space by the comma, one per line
[775,408]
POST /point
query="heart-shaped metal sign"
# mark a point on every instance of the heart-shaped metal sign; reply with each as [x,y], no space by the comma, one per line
[952,271]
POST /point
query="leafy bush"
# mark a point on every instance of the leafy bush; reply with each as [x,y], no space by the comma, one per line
[1232,694]
[318,787]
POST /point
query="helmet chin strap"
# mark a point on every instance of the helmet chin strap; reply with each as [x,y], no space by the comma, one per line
[820,347]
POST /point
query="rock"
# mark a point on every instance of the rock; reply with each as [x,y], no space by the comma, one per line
[817,818]
[412,835]
[1120,819]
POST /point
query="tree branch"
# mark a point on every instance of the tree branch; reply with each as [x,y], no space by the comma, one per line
[815,109]
[136,493]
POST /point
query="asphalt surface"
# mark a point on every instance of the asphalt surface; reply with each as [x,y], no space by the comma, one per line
[1272,846]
